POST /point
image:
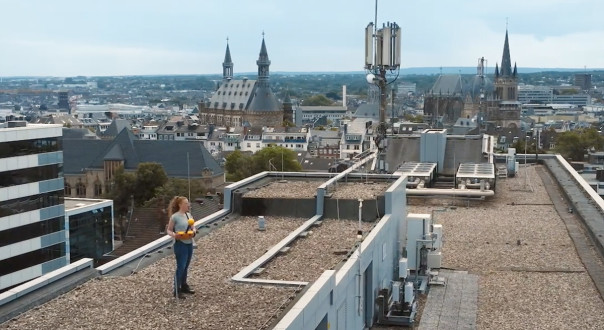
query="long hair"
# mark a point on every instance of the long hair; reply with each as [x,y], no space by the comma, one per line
[174,205]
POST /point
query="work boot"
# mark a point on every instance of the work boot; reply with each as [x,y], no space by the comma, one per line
[186,289]
[179,295]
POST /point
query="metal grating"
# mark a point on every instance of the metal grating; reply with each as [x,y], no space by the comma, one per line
[476,170]
[417,169]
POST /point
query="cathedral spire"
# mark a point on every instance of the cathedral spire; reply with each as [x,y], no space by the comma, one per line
[227,65]
[506,62]
[263,65]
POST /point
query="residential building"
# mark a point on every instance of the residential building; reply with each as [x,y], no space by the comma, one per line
[293,138]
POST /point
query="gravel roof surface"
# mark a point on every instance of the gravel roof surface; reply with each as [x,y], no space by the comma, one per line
[288,189]
[531,276]
[324,248]
[369,190]
[144,300]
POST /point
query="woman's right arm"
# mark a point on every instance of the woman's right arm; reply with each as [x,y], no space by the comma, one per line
[170,229]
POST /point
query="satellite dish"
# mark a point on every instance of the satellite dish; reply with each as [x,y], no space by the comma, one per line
[371,78]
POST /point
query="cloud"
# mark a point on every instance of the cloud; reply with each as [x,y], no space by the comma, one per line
[57,58]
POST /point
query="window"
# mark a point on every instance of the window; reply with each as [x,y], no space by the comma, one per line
[98,189]
[67,189]
[80,190]
[249,145]
[30,175]
[29,147]
[30,203]
[257,145]
[356,147]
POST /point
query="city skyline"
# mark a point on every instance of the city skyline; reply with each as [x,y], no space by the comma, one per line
[69,38]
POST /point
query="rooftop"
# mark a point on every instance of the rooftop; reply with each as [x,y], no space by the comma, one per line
[520,248]
[518,243]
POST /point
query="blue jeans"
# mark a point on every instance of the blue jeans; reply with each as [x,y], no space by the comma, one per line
[183,253]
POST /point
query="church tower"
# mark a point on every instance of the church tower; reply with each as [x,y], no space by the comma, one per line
[263,66]
[264,108]
[504,109]
[506,80]
[227,65]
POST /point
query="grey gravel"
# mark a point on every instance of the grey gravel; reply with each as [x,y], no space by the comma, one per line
[530,274]
[323,248]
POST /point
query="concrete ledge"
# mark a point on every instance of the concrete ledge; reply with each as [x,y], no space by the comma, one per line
[155,245]
[44,280]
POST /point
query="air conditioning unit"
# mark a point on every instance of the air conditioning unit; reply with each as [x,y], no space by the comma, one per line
[438,230]
[403,269]
[396,292]
[434,259]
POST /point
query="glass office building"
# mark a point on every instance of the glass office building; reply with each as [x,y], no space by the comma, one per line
[33,235]
[90,226]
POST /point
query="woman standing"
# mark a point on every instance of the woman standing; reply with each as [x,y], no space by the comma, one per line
[183,245]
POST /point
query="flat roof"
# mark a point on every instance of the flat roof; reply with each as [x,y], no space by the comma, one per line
[530,275]
[75,203]
[324,247]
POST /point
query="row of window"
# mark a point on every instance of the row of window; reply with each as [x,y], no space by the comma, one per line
[234,93]
[31,230]
[329,151]
[33,258]
[30,147]
[29,175]
[80,189]
[30,203]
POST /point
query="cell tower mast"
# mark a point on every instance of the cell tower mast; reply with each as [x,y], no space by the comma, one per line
[382,57]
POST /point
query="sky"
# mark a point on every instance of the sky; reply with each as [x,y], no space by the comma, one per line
[147,37]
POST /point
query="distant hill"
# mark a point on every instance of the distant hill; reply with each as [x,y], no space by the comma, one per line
[444,70]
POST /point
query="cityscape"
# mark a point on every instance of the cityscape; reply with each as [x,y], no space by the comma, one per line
[436,197]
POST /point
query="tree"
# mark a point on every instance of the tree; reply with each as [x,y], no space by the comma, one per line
[238,166]
[575,144]
[149,177]
[281,158]
[121,189]
[317,100]
[176,187]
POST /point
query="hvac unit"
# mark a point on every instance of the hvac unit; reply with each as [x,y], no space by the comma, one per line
[437,229]
[434,259]
[409,293]
[396,292]
[403,268]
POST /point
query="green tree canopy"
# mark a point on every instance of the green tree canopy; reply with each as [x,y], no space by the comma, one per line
[575,144]
[121,188]
[317,100]
[240,166]
[149,177]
